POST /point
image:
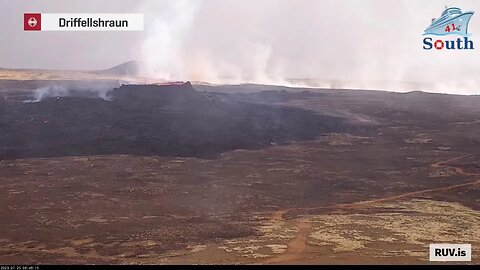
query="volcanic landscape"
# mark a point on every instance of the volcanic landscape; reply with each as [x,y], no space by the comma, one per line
[234,174]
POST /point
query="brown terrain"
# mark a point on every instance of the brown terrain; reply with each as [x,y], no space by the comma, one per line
[95,172]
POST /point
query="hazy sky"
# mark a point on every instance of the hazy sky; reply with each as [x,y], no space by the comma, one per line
[251,40]
[64,50]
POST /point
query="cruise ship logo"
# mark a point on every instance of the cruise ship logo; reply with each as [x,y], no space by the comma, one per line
[452,21]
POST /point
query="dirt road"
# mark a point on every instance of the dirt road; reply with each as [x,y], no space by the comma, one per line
[297,246]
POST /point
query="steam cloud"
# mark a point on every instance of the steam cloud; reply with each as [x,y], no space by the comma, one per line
[373,44]
[89,90]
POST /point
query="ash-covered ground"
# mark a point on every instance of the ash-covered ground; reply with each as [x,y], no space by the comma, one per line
[152,120]
[234,174]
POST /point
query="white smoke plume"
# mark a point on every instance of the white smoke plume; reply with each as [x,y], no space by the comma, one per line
[59,90]
[368,44]
[167,30]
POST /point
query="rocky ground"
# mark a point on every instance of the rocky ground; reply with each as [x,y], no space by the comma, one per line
[235,174]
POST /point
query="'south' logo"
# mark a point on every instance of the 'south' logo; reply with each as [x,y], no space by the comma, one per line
[452,21]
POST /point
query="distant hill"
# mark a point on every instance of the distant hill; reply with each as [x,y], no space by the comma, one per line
[131,68]
[128,69]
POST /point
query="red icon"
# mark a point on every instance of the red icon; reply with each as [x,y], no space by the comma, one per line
[32,21]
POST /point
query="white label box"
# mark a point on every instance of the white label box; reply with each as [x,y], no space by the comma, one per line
[450,252]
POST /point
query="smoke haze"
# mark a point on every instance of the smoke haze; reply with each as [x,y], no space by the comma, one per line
[98,89]
[348,43]
[374,44]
